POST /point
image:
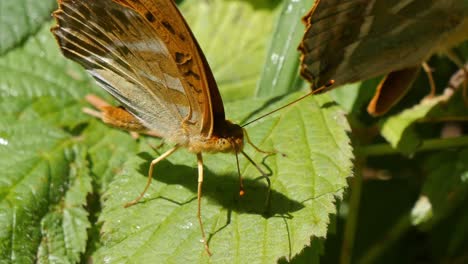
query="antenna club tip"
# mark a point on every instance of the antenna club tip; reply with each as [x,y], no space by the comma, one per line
[241,192]
[330,83]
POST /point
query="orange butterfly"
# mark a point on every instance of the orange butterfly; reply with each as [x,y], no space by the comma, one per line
[145,55]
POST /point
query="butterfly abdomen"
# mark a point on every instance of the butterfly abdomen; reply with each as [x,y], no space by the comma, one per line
[119,117]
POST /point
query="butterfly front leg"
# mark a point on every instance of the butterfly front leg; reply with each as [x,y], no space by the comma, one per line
[150,174]
[199,196]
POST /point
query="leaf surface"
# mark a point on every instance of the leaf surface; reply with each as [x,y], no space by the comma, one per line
[19,19]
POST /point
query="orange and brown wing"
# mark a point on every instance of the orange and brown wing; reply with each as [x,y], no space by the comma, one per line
[167,20]
[131,55]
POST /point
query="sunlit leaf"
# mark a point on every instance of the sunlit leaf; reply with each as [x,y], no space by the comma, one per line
[19,19]
[398,130]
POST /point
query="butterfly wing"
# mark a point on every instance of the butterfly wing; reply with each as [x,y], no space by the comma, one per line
[193,65]
[352,40]
[133,59]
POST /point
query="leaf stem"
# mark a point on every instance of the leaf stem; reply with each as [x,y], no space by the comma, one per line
[430,144]
[351,221]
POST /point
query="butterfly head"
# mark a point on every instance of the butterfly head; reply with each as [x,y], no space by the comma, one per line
[228,137]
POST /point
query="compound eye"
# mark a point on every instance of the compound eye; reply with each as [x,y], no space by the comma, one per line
[222,142]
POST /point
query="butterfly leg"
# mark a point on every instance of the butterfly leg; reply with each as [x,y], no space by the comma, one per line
[459,62]
[199,195]
[427,69]
[465,86]
[266,176]
[246,135]
[458,79]
[150,174]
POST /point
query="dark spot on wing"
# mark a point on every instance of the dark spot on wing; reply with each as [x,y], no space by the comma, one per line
[183,58]
[194,88]
[179,57]
[149,17]
[191,73]
[168,26]
[182,37]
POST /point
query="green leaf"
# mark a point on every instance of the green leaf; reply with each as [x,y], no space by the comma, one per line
[36,82]
[446,185]
[398,129]
[108,150]
[280,74]
[19,19]
[310,255]
[64,229]
[304,185]
[45,178]
[234,36]
[422,211]
[37,190]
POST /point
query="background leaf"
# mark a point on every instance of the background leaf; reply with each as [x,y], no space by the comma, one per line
[19,19]
[234,36]
[45,181]
[38,192]
[447,183]
[398,130]
[280,74]
[63,230]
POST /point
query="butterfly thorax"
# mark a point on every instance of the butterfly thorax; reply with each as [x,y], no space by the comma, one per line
[226,137]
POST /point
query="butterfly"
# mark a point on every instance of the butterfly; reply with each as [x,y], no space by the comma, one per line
[355,40]
[144,54]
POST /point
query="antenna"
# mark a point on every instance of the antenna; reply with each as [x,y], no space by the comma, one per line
[323,87]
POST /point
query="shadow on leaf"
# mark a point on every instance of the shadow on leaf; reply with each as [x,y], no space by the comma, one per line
[223,189]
